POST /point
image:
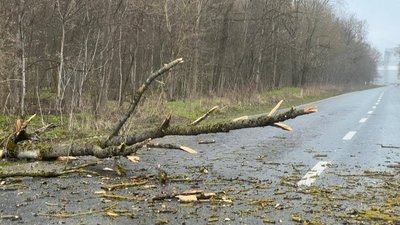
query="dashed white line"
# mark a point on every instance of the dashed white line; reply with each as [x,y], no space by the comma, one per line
[349,135]
[370,112]
[373,107]
[363,120]
[312,175]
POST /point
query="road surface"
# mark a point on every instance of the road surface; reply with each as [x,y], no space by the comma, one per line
[339,166]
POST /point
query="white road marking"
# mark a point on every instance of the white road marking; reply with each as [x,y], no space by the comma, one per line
[377,103]
[370,112]
[373,107]
[312,175]
[349,135]
[363,120]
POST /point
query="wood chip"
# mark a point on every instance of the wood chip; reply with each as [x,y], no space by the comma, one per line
[66,158]
[283,126]
[187,198]
[112,214]
[188,150]
[133,158]
[192,192]
[208,195]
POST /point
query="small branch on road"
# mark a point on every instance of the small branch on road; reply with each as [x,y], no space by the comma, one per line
[389,146]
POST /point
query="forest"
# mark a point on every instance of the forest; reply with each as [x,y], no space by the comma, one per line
[60,57]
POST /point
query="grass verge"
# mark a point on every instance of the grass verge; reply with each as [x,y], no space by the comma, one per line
[152,111]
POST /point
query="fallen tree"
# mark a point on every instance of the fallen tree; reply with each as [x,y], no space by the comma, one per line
[24,145]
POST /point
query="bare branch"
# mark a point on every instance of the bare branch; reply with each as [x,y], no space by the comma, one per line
[203,117]
[139,94]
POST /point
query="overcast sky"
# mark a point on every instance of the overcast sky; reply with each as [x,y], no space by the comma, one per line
[383,18]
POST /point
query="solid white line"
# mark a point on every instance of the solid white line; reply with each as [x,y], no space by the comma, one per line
[312,175]
[363,120]
[370,112]
[349,135]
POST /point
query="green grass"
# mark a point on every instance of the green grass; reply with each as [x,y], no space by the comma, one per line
[152,112]
[189,110]
[7,125]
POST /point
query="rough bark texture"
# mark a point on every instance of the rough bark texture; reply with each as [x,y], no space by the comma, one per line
[260,121]
[49,151]
[123,146]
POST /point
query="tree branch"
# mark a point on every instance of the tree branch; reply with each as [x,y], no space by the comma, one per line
[203,117]
[260,121]
[139,94]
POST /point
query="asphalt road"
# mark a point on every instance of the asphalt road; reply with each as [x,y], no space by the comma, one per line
[339,166]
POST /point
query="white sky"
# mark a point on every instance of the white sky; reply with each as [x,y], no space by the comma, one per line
[383,19]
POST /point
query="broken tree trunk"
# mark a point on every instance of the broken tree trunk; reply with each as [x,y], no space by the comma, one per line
[22,145]
[260,121]
[123,146]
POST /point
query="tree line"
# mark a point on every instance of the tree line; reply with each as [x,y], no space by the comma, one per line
[66,55]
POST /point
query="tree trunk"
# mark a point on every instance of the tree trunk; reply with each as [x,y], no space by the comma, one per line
[21,42]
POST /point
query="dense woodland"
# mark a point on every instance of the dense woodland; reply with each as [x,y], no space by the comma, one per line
[64,56]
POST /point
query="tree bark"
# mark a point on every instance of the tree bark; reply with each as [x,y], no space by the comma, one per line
[260,121]
[123,146]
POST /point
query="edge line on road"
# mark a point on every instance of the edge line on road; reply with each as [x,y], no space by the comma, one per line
[349,135]
[311,176]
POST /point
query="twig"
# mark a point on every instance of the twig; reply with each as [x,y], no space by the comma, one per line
[123,185]
[390,146]
[172,146]
[270,114]
[52,173]
[203,117]
[282,126]
[44,129]
[120,197]
[66,215]
[273,111]
[205,142]
[10,217]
